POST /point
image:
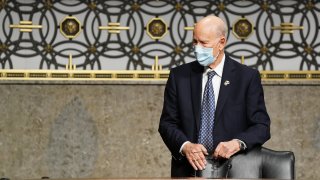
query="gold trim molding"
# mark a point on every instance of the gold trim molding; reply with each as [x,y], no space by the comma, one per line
[290,75]
[25,26]
[14,74]
[113,27]
[189,28]
[111,75]
[70,66]
[287,28]
[156,66]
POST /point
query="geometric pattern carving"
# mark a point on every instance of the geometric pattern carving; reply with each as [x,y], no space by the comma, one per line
[70,27]
[256,37]
[242,28]
[156,28]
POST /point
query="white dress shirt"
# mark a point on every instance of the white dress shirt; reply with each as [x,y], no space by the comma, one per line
[216,81]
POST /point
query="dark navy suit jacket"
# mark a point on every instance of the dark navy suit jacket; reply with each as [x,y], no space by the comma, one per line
[240,111]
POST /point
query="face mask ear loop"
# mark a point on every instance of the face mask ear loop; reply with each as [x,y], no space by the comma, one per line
[217,55]
[218,52]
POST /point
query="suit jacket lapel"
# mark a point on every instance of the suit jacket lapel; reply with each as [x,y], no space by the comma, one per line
[196,86]
[227,76]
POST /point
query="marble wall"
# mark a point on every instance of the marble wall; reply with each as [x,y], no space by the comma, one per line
[102,129]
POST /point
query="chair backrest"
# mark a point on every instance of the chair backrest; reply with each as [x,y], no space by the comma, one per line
[262,162]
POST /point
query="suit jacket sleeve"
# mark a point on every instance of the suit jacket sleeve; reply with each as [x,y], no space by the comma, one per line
[258,120]
[169,125]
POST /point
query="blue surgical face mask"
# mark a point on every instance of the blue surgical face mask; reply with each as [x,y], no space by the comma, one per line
[204,55]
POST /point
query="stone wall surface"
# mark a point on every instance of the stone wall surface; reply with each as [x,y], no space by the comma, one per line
[106,130]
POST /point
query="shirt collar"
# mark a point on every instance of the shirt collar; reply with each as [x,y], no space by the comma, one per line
[218,69]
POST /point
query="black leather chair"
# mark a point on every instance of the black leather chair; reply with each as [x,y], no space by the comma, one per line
[262,162]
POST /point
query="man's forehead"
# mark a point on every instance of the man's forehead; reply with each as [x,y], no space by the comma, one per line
[203,34]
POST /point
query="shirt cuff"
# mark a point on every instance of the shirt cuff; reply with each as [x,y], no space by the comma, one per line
[180,151]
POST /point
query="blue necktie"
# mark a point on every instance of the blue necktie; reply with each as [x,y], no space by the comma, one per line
[207,115]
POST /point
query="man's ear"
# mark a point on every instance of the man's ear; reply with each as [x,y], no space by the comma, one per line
[222,43]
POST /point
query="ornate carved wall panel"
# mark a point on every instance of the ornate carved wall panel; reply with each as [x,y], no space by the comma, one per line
[128,35]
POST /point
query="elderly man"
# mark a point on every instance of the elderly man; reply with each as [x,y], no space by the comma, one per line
[214,106]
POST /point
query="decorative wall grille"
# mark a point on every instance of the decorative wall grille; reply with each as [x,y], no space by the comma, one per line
[128,35]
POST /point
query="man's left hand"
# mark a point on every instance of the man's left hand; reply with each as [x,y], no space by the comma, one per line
[226,149]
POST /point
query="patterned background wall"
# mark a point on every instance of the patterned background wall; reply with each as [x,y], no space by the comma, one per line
[127,35]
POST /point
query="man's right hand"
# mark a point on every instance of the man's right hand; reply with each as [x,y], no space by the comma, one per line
[195,154]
